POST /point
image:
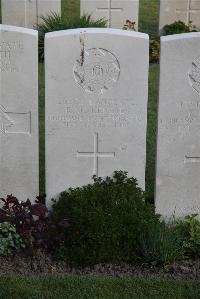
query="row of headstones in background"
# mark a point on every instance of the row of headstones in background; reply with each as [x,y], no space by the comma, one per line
[96,106]
[116,12]
[184,10]
[27,13]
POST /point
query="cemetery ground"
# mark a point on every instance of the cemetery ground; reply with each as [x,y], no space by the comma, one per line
[93,287]
[177,280]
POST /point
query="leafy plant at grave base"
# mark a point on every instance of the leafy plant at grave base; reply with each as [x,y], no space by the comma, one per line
[177,27]
[154,50]
[189,231]
[55,22]
[10,241]
[160,244]
[29,219]
[103,221]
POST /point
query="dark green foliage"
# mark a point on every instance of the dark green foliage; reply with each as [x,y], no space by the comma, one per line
[55,22]
[189,230]
[104,220]
[176,28]
[154,50]
[10,241]
[160,244]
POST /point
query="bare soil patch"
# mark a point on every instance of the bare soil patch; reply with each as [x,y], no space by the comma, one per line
[41,264]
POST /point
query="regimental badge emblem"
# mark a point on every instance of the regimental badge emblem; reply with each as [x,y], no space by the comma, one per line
[97,70]
[194,75]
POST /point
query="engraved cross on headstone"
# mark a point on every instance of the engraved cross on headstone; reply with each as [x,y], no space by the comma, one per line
[188,11]
[96,155]
[109,10]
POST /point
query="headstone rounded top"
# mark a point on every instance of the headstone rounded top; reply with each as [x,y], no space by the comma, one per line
[180,36]
[18,29]
[97,31]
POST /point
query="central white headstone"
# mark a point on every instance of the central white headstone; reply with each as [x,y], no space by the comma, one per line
[19,161]
[96,106]
[116,12]
[27,13]
[178,149]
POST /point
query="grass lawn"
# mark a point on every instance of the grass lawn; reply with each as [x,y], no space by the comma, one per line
[82,287]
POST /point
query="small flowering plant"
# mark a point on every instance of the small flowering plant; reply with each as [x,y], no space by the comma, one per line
[29,219]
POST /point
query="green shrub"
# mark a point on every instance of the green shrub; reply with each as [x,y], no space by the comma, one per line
[189,231]
[176,28]
[154,50]
[104,221]
[55,22]
[10,241]
[160,244]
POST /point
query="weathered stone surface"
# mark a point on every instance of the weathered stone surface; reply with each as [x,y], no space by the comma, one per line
[184,10]
[115,11]
[27,13]
[178,148]
[96,105]
[19,164]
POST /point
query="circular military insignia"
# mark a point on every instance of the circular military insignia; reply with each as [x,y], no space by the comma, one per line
[97,70]
[194,75]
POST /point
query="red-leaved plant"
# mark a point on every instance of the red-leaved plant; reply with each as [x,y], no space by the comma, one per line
[30,219]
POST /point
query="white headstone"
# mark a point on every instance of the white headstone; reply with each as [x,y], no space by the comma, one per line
[178,148]
[96,106]
[18,112]
[27,13]
[116,12]
[184,10]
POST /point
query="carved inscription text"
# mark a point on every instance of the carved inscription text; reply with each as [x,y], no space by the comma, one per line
[8,51]
[101,113]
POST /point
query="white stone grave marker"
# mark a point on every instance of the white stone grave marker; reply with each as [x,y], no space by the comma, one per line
[184,10]
[178,144]
[116,12]
[19,161]
[27,13]
[96,106]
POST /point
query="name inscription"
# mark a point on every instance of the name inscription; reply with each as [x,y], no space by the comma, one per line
[186,117]
[8,51]
[100,114]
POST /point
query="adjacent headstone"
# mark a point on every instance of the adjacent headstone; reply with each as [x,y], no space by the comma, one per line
[178,147]
[184,10]
[116,12]
[96,106]
[19,173]
[27,13]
